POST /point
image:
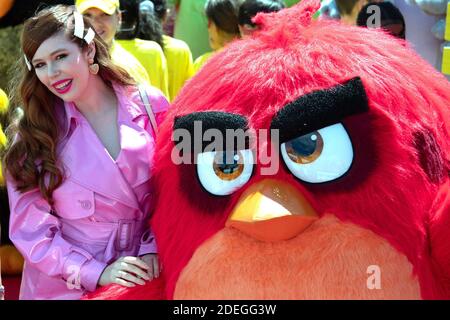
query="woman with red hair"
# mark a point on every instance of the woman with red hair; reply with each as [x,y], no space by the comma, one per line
[78,165]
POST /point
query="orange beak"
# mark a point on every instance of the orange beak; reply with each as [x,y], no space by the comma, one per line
[272,210]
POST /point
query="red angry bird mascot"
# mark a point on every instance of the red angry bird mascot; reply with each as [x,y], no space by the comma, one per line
[346,198]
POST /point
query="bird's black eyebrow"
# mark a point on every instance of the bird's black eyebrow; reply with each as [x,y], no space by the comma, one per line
[221,121]
[211,120]
[320,109]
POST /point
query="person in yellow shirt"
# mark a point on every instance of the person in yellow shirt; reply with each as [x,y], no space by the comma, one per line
[200,61]
[127,60]
[179,57]
[106,17]
[149,53]
[223,26]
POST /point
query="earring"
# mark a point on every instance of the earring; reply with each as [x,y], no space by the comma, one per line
[93,67]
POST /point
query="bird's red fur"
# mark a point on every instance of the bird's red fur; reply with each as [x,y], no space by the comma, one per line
[153,290]
[390,189]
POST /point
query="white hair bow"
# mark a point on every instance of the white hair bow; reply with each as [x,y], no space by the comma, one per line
[79,28]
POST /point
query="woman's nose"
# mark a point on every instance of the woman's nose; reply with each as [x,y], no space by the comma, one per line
[52,70]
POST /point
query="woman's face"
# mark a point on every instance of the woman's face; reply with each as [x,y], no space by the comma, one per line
[62,67]
[105,25]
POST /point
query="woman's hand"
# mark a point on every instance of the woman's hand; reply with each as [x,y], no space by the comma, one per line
[152,261]
[126,271]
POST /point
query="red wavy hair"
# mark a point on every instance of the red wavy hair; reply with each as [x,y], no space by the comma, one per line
[30,158]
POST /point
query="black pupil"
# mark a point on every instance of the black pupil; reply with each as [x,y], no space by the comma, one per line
[305,145]
[231,166]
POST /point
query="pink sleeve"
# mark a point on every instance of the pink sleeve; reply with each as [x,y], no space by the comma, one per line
[37,235]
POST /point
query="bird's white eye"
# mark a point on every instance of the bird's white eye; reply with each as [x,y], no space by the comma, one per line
[223,172]
[320,156]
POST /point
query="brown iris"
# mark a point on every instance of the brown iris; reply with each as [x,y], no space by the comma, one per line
[228,165]
[305,149]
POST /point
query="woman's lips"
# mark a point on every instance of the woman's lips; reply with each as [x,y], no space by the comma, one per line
[63,86]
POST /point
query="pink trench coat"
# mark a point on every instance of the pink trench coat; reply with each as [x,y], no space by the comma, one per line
[102,207]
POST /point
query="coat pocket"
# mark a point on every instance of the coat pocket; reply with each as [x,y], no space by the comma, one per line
[73,201]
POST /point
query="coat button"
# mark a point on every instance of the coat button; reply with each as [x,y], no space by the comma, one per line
[85,204]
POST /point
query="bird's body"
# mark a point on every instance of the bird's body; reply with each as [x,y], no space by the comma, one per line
[314,265]
[358,206]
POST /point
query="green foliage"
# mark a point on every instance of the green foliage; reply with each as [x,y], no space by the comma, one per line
[9,53]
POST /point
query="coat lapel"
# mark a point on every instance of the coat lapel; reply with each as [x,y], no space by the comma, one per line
[88,164]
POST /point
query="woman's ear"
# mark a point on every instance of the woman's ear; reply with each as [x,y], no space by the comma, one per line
[91,50]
